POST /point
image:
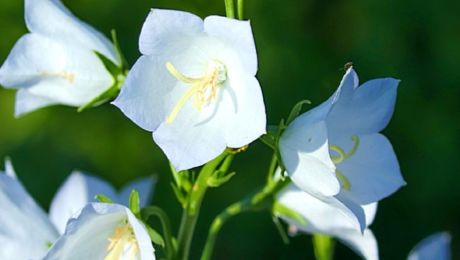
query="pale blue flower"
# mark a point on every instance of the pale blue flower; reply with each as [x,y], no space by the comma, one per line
[55,63]
[434,247]
[103,231]
[194,86]
[335,151]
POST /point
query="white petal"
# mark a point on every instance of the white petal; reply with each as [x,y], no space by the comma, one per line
[146,250]
[348,84]
[162,25]
[54,71]
[87,236]
[373,171]
[144,186]
[243,110]
[434,247]
[305,152]
[77,191]
[26,102]
[51,18]
[236,34]
[327,215]
[363,244]
[137,97]
[188,144]
[25,231]
[367,109]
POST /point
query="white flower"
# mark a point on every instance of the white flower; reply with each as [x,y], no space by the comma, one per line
[323,218]
[26,232]
[56,62]
[79,189]
[195,86]
[103,231]
[434,247]
[335,151]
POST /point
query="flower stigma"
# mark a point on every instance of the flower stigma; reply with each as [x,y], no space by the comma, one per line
[203,89]
[342,156]
[122,243]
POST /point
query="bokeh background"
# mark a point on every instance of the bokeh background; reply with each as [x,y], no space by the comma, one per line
[302,47]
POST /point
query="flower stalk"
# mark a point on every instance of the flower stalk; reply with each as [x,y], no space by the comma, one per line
[192,208]
[260,200]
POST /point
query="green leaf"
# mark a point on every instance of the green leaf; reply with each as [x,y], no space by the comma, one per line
[281,210]
[324,247]
[103,198]
[219,178]
[155,236]
[134,203]
[296,110]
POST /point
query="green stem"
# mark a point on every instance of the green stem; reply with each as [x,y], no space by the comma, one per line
[166,225]
[258,201]
[192,208]
[230,8]
[324,247]
[240,4]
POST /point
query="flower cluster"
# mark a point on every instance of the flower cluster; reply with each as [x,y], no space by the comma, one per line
[195,89]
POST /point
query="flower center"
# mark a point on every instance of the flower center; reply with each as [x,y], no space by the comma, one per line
[342,156]
[203,89]
[122,243]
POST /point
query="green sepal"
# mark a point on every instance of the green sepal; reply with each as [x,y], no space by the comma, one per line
[109,65]
[103,198]
[281,230]
[180,196]
[134,203]
[295,111]
[183,179]
[219,178]
[118,52]
[155,236]
[279,209]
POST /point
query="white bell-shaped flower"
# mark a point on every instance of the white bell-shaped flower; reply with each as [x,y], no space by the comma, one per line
[103,231]
[325,218]
[335,151]
[194,86]
[56,62]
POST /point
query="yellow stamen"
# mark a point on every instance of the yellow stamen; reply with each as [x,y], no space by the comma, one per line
[70,77]
[122,243]
[204,89]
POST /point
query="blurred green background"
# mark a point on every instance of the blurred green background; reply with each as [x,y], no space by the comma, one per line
[302,46]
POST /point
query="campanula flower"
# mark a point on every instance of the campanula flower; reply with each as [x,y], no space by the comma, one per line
[194,86]
[56,63]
